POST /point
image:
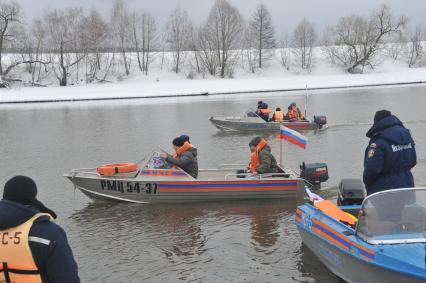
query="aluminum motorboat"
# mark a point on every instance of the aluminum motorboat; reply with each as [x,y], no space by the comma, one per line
[155,181]
[252,122]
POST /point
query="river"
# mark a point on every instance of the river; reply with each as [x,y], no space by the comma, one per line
[253,241]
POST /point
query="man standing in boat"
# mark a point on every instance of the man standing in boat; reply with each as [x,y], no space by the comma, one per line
[389,156]
[33,248]
[185,156]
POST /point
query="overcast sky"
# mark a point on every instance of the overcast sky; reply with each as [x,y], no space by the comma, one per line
[285,13]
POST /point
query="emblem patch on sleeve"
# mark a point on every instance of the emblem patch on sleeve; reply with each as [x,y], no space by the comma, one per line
[370,153]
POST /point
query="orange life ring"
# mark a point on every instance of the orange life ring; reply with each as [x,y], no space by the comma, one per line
[115,168]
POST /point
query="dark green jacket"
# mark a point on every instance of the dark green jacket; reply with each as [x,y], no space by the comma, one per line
[267,162]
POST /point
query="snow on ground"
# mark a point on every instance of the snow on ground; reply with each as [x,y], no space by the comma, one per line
[164,83]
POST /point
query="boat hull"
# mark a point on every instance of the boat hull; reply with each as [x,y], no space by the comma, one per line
[350,268]
[146,191]
[344,254]
[256,124]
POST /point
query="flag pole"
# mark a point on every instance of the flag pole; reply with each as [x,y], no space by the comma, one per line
[306,99]
[281,151]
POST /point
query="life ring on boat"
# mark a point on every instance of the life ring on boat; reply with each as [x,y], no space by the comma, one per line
[115,168]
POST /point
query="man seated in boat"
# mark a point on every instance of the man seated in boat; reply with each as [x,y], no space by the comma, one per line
[278,115]
[185,156]
[262,161]
[294,106]
[292,114]
[263,111]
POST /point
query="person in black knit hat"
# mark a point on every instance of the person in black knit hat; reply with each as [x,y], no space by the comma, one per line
[35,246]
[389,156]
[185,156]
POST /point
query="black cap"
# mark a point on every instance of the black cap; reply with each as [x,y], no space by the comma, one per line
[178,141]
[255,141]
[278,109]
[23,190]
[185,138]
[260,102]
[381,114]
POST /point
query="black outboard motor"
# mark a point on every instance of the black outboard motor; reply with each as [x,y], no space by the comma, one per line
[314,173]
[351,192]
[320,121]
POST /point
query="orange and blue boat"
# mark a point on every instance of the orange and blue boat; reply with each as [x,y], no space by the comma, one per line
[385,243]
[155,182]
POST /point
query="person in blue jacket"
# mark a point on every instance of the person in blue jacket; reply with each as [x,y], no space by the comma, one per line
[389,156]
[47,241]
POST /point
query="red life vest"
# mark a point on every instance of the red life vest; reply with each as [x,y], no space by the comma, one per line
[182,149]
[293,115]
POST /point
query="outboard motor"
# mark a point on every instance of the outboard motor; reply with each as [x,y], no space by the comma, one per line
[351,192]
[320,121]
[314,173]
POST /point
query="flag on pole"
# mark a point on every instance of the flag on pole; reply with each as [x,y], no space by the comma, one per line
[293,137]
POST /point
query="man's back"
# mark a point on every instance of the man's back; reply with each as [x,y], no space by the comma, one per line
[47,241]
[389,156]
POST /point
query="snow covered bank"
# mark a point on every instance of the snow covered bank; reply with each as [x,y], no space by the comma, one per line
[184,87]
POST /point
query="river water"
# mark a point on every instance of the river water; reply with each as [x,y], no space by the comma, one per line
[252,241]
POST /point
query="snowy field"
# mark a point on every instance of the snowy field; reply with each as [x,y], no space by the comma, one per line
[163,82]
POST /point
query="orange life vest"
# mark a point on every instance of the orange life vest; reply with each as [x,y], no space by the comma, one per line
[330,209]
[293,115]
[255,155]
[182,149]
[279,116]
[16,259]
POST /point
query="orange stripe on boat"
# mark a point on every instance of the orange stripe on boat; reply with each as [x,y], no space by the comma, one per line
[329,238]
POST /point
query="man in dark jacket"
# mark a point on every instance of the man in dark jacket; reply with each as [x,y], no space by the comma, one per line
[185,157]
[47,241]
[389,156]
[262,160]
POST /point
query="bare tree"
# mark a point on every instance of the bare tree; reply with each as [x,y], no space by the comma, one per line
[178,34]
[223,30]
[396,44]
[262,31]
[10,14]
[209,52]
[415,52]
[144,31]
[38,33]
[120,23]
[61,42]
[285,54]
[303,40]
[357,40]
[93,41]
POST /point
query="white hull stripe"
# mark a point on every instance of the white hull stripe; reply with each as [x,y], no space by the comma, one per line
[39,240]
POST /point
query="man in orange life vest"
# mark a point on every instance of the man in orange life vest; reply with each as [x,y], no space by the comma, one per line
[263,111]
[262,161]
[185,156]
[33,248]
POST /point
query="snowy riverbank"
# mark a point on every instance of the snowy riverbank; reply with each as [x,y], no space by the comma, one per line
[164,84]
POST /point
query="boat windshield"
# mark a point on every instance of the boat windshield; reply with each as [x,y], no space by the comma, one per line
[156,162]
[394,216]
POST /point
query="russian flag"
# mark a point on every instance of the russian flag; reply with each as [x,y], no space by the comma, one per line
[293,137]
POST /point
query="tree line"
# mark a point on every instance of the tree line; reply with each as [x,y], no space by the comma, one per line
[75,47]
